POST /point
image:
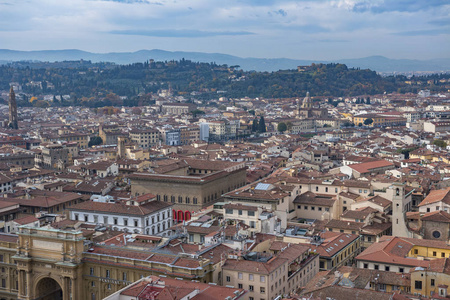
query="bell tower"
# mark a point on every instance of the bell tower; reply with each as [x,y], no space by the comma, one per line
[12,110]
[307,101]
[396,192]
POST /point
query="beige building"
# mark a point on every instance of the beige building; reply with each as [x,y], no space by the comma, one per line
[47,263]
[257,218]
[281,270]
[177,108]
[190,184]
[145,138]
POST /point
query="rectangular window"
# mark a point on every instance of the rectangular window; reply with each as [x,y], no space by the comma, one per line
[239,275]
[250,277]
[250,288]
[416,251]
[125,222]
[251,213]
[228,278]
[387,268]
[240,286]
[108,273]
[116,221]
[229,211]
[418,285]
[91,271]
[401,270]
[136,223]
[434,253]
[240,212]
[432,282]
[262,290]
[262,278]
[366,266]
[376,267]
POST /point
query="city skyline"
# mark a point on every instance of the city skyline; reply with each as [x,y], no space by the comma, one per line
[270,29]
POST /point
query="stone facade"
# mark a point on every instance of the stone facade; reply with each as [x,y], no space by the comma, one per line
[188,192]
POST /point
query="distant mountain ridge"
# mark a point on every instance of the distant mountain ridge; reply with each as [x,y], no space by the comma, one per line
[376,63]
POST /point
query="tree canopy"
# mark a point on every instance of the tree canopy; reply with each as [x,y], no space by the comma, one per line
[282,127]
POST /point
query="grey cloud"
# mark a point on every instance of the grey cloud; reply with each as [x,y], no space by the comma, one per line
[179,33]
[399,5]
[427,32]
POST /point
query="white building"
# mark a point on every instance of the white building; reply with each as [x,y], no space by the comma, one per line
[143,214]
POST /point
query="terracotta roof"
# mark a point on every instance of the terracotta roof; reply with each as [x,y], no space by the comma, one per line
[26,220]
[437,196]
[315,199]
[437,216]
[240,207]
[120,208]
[345,225]
[371,166]
[360,213]
[394,250]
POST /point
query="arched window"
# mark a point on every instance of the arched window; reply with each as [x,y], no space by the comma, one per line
[180,216]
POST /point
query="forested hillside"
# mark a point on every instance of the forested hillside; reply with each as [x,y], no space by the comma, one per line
[101,84]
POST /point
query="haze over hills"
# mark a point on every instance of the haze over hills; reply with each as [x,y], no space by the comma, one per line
[377,63]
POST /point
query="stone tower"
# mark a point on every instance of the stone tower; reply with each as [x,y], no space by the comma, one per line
[12,110]
[396,193]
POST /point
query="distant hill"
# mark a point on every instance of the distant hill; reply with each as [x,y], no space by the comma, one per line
[377,63]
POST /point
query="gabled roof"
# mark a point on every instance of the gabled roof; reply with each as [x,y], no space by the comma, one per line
[437,196]
[370,166]
[437,216]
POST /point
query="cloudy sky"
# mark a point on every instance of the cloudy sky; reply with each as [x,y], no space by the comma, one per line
[301,29]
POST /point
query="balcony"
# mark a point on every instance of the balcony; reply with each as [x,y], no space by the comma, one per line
[295,267]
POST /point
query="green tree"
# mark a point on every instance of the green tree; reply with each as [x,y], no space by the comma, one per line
[368,121]
[96,140]
[197,112]
[282,127]
[255,125]
[440,143]
[262,125]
